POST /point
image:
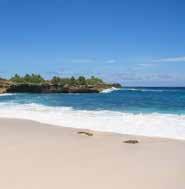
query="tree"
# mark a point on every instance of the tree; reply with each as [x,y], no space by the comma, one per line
[56,80]
[82,80]
[38,79]
[73,81]
[27,78]
[35,79]
[94,81]
[17,79]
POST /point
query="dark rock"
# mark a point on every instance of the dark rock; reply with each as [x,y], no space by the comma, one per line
[131,141]
[85,133]
[116,85]
[50,88]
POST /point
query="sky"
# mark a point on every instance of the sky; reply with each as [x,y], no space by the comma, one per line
[134,42]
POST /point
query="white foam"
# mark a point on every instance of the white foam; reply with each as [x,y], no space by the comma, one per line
[6,94]
[110,90]
[154,124]
[144,90]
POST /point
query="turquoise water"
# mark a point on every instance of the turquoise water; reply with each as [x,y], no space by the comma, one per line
[135,100]
[139,111]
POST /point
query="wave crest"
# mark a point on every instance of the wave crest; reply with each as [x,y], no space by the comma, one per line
[153,124]
[7,94]
[110,90]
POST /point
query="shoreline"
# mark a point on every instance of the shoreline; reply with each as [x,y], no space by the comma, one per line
[130,125]
[36,155]
[78,111]
[42,124]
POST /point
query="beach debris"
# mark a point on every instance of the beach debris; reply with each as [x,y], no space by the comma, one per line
[85,133]
[131,141]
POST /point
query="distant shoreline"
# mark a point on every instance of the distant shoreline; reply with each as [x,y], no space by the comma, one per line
[37,84]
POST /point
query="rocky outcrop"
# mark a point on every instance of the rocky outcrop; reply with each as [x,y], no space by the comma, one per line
[116,85]
[4,85]
[50,88]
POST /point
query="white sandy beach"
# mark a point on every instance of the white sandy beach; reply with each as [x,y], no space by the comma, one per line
[38,156]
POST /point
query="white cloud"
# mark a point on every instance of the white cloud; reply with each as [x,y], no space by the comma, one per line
[171,59]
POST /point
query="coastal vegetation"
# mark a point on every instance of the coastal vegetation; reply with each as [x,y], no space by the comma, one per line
[33,78]
[38,79]
[81,80]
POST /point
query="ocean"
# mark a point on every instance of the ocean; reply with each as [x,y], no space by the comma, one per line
[143,111]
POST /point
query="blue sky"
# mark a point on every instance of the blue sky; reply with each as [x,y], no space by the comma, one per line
[130,41]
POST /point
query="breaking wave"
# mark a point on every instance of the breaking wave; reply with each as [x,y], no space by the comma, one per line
[110,90]
[7,94]
[151,124]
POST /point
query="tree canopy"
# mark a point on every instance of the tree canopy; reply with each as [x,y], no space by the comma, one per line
[38,79]
[33,78]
